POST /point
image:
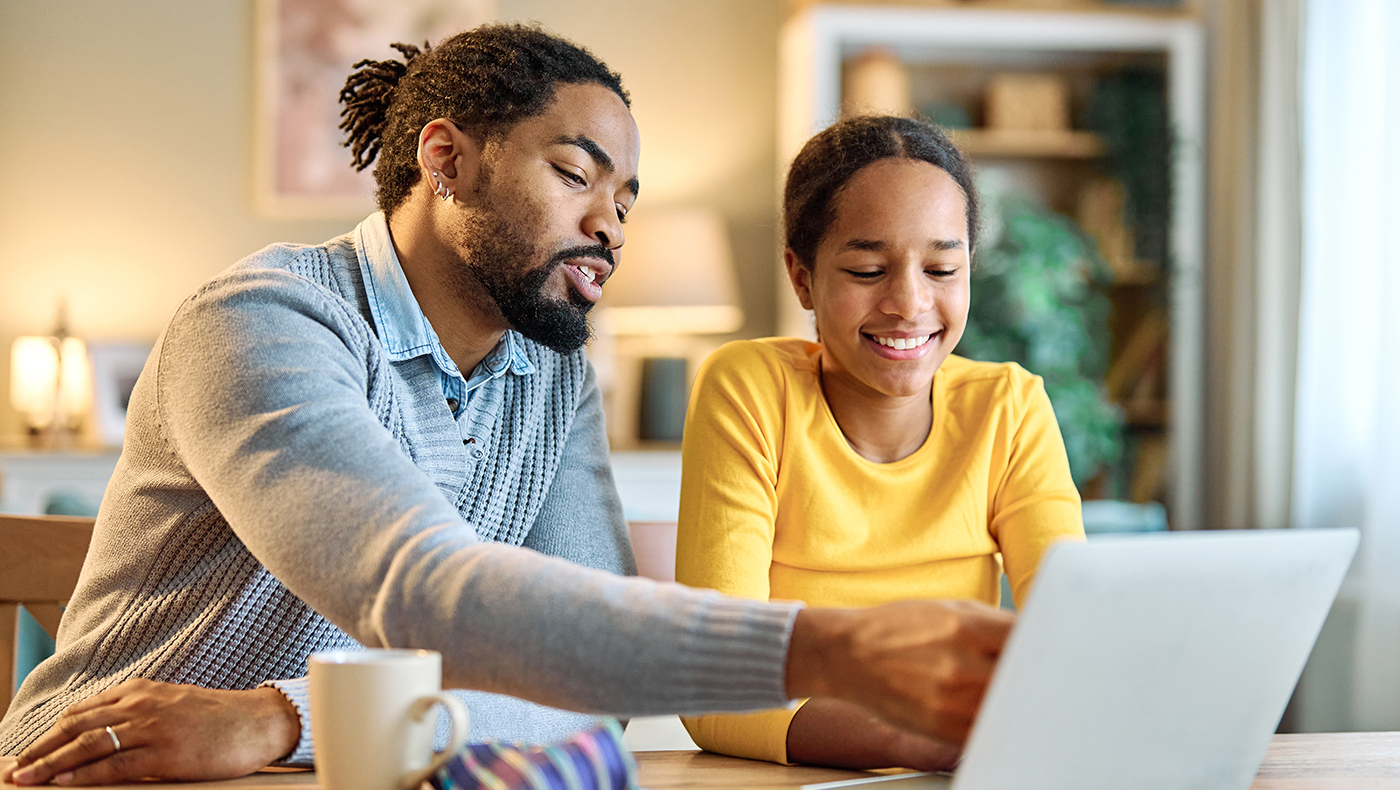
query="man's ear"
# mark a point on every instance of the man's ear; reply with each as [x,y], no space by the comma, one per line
[450,153]
[801,278]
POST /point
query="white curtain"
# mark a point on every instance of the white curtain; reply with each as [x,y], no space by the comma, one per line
[1347,451]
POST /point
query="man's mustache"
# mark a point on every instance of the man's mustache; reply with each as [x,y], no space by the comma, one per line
[586,251]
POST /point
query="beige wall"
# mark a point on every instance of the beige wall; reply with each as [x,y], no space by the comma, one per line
[126,145]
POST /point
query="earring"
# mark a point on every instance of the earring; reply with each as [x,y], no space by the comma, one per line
[441,190]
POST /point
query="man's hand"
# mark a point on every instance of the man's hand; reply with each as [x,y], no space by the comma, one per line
[922,666]
[166,731]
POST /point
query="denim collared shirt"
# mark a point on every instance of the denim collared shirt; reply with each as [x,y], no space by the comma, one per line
[405,332]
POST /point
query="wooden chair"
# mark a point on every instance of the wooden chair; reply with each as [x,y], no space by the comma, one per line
[40,558]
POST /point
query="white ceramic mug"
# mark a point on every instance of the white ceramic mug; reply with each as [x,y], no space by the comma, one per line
[370,718]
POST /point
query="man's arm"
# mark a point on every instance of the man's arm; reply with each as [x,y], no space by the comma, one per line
[920,666]
[270,394]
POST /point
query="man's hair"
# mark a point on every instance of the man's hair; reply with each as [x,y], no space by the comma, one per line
[830,159]
[484,80]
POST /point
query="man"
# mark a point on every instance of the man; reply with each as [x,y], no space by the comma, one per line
[349,444]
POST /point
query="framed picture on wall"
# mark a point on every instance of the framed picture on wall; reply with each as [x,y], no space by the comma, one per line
[116,364]
[304,51]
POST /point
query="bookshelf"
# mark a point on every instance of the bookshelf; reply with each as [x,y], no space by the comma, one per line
[950,53]
[985,143]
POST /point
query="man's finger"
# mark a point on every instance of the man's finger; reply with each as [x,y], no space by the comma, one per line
[122,767]
[963,669]
[89,747]
[988,629]
[67,729]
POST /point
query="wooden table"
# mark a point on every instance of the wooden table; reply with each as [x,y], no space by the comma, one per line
[1341,761]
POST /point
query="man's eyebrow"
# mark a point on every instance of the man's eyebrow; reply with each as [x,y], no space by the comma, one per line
[598,155]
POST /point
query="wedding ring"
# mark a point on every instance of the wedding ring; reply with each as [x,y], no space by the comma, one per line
[116,742]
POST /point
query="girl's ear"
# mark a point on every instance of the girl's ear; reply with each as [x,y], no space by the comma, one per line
[801,278]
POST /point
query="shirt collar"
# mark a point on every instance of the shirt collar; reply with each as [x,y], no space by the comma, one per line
[508,355]
[402,328]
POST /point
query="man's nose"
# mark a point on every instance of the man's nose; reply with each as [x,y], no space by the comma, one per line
[603,224]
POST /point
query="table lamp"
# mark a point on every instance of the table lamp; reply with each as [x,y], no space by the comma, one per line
[675,279]
[50,384]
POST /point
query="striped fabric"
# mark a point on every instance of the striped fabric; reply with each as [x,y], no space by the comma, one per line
[594,759]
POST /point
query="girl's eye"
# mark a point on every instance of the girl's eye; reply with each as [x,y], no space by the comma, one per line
[863,274]
[942,272]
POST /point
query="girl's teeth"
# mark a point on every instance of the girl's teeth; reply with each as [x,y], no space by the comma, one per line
[902,343]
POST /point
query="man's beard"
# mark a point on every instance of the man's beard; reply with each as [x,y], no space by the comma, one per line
[498,257]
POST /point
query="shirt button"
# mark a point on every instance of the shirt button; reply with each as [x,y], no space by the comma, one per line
[452,404]
[477,452]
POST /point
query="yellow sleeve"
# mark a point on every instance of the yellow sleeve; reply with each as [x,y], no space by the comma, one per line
[755,736]
[730,455]
[729,472]
[1036,503]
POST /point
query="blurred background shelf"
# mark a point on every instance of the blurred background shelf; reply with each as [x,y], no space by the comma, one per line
[1028,144]
[1021,88]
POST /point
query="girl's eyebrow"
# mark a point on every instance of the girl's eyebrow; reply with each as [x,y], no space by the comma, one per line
[864,245]
[875,245]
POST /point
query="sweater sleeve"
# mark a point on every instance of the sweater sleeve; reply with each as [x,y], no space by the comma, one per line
[729,474]
[581,521]
[581,518]
[298,693]
[1036,502]
[269,392]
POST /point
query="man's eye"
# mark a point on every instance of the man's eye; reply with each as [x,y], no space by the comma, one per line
[622,215]
[571,176]
[861,274]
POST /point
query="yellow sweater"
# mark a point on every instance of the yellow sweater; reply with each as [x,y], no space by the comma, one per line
[775,503]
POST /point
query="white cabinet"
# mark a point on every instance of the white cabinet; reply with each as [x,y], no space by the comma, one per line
[29,479]
[817,40]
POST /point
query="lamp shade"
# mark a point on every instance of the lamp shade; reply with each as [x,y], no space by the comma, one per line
[49,379]
[34,378]
[675,275]
[75,383]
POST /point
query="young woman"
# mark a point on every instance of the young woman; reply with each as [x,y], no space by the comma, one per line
[872,465]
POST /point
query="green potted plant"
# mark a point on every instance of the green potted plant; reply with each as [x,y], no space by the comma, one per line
[1037,301]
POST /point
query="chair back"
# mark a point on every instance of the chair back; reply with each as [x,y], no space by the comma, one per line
[654,545]
[40,559]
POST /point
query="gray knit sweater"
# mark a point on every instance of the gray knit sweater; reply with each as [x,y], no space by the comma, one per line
[286,488]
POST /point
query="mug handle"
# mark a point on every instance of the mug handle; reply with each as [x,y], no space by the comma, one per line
[455,711]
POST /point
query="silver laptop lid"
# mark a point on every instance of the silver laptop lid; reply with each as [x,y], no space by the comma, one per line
[1161,661]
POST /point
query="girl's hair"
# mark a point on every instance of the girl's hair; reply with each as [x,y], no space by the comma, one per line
[485,80]
[830,159]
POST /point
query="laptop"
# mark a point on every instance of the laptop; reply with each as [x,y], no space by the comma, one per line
[1149,661]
